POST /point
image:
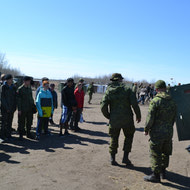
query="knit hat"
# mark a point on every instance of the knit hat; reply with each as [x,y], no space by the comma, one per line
[70,80]
[27,78]
[8,76]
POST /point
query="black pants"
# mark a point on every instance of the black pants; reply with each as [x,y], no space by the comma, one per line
[7,119]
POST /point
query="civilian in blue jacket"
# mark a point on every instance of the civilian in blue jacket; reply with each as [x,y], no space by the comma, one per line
[44,104]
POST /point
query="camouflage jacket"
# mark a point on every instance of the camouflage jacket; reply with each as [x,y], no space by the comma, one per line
[25,99]
[161,117]
[116,105]
[90,89]
[134,89]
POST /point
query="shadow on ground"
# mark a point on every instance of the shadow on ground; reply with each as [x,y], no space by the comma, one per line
[140,129]
[48,143]
[174,180]
[96,123]
[94,133]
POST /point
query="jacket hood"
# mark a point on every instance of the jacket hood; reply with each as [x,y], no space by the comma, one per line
[163,95]
[43,91]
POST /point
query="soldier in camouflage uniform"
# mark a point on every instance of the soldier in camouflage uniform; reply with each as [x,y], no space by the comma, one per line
[116,106]
[90,91]
[159,125]
[25,103]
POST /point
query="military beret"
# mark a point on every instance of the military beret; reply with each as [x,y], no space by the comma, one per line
[27,78]
[70,80]
[160,84]
[116,76]
[8,76]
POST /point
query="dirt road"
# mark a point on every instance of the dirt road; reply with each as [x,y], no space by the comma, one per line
[81,161]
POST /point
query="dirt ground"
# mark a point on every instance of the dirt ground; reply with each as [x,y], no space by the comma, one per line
[81,161]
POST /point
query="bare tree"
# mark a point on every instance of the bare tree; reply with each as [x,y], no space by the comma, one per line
[5,68]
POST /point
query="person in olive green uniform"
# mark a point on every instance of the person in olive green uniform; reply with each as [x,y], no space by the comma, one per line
[25,103]
[116,106]
[8,106]
[159,125]
[90,91]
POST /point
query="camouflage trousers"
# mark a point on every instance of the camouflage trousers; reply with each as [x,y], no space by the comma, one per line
[90,97]
[114,134]
[159,154]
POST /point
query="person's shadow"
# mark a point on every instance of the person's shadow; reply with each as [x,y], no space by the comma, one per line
[141,129]
[178,181]
[96,123]
[7,158]
[93,133]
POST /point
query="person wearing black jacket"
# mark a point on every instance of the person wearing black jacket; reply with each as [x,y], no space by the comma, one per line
[8,106]
[69,105]
[54,95]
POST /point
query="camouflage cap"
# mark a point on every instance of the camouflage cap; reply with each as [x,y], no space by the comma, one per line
[81,80]
[160,84]
[116,76]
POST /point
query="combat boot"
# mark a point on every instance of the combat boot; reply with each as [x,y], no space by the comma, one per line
[126,159]
[112,159]
[163,173]
[154,177]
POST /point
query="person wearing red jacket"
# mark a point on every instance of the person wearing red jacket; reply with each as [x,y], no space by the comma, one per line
[79,96]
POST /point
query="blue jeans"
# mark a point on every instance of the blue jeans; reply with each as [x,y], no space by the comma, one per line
[142,98]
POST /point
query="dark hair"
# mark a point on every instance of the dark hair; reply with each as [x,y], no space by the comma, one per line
[44,78]
[52,85]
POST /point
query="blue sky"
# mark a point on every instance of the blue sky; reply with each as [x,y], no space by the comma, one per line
[142,39]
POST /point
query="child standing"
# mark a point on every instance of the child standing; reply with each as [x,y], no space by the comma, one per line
[44,104]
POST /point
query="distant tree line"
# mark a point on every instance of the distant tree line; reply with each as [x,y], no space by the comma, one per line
[5,68]
[105,79]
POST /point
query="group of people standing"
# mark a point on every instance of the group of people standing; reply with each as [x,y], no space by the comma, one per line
[117,105]
[21,98]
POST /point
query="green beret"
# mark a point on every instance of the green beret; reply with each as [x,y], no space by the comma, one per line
[116,76]
[160,84]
